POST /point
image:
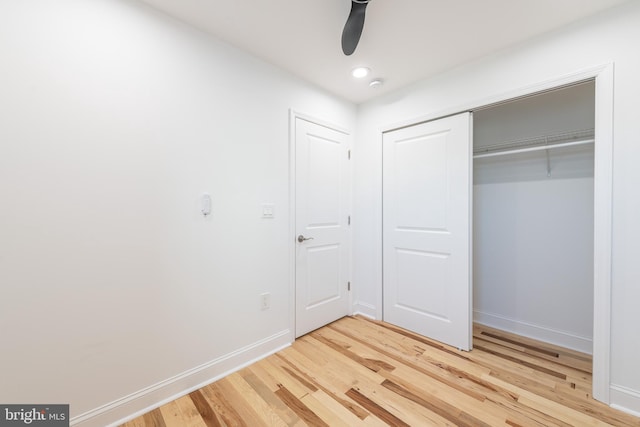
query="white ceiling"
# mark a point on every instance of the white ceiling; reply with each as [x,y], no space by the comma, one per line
[403,40]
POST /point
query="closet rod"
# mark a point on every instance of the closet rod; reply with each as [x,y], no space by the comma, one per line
[537,148]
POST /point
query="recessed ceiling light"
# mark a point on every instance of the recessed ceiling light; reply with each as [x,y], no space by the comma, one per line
[360,72]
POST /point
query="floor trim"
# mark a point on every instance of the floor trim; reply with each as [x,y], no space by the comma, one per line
[537,332]
[149,398]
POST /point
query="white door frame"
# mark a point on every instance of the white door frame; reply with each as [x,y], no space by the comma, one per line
[603,75]
[293,115]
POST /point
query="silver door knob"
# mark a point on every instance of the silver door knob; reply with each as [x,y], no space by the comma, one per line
[301,238]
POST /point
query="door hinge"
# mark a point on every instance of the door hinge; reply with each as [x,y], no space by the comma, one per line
[349,154]
[348,286]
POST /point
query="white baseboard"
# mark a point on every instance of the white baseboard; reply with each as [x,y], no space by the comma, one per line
[147,399]
[625,399]
[537,332]
[364,309]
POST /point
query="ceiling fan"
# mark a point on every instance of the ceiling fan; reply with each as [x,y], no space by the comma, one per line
[353,28]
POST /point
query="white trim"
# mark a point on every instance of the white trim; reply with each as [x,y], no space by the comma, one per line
[129,407]
[470,235]
[292,223]
[365,309]
[298,115]
[351,181]
[603,232]
[523,92]
[359,313]
[536,332]
[625,399]
[379,248]
[603,190]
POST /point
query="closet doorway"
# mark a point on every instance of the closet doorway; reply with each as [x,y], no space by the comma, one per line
[533,216]
[599,80]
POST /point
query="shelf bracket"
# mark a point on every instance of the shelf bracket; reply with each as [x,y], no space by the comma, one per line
[548,165]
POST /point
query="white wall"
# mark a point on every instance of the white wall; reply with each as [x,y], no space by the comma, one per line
[550,113]
[533,246]
[114,119]
[609,37]
[533,233]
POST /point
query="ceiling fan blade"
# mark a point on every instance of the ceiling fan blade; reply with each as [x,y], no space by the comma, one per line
[353,27]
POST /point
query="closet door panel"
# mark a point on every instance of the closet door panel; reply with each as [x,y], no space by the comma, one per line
[419,169]
[426,229]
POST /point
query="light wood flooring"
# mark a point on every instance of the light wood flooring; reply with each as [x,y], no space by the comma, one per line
[358,372]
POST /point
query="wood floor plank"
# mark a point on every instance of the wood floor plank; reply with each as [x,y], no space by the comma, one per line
[413,366]
[495,399]
[205,408]
[580,379]
[376,409]
[284,412]
[255,403]
[404,346]
[407,378]
[154,418]
[363,377]
[300,408]
[136,422]
[346,414]
[308,349]
[360,372]
[390,404]
[333,386]
[465,378]
[344,367]
[225,409]
[190,414]
[242,399]
[172,414]
[566,396]
[323,407]
[574,355]
[558,364]
[260,370]
[486,347]
[278,369]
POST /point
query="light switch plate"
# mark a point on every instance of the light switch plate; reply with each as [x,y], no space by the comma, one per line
[268,210]
[205,202]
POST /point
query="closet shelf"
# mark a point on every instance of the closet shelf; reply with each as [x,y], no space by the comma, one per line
[585,136]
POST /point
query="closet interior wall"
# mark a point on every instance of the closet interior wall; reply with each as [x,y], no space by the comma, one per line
[533,218]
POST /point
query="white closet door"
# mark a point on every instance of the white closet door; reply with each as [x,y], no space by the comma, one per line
[427,229]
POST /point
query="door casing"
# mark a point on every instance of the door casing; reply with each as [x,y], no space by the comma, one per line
[603,75]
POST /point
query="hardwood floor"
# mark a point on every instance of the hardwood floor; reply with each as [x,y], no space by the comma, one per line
[358,372]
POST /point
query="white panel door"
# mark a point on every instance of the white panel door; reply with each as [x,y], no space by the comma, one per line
[322,237]
[427,229]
